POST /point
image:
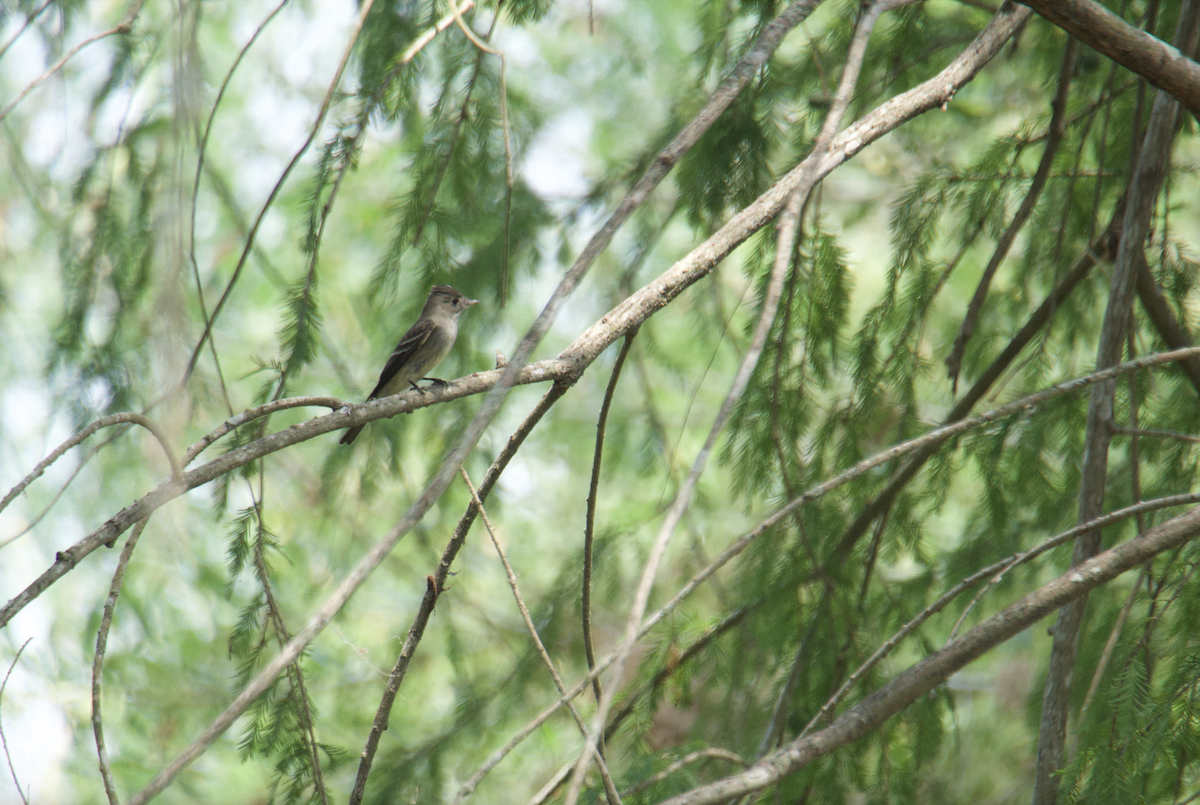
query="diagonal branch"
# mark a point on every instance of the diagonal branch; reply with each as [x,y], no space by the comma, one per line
[1053,139]
[932,671]
[1163,65]
[436,584]
[123,27]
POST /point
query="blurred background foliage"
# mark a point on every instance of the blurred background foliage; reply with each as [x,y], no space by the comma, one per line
[117,245]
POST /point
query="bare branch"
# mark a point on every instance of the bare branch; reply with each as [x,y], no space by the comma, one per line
[4,740]
[1143,189]
[436,584]
[29,18]
[1161,434]
[110,604]
[997,570]
[424,39]
[610,790]
[1058,112]
[262,213]
[589,527]
[123,27]
[933,670]
[683,762]
[1164,66]
[79,438]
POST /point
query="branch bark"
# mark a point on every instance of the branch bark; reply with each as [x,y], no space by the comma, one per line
[932,671]
[1163,65]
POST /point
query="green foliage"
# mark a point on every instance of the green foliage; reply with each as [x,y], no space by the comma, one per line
[106,289]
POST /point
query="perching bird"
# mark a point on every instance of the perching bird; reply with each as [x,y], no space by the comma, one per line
[423,347]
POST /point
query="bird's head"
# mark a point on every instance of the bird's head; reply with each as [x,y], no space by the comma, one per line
[445,300]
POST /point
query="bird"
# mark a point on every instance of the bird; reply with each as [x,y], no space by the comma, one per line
[420,349]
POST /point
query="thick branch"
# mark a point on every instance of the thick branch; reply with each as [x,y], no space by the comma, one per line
[1161,64]
[932,671]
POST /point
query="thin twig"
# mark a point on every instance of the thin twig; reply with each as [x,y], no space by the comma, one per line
[610,790]
[250,237]
[1057,126]
[123,27]
[12,770]
[78,438]
[29,18]
[1158,434]
[110,603]
[424,39]
[202,149]
[593,494]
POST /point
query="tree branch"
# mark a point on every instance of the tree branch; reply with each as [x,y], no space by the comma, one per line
[1058,111]
[1164,66]
[932,671]
[123,27]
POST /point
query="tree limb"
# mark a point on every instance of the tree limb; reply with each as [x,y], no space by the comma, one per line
[1164,66]
[932,671]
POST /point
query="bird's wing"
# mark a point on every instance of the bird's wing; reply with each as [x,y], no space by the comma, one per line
[410,342]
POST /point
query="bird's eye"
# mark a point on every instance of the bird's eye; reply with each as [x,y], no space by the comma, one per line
[455,303]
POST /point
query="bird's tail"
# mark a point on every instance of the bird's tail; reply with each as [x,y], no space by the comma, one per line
[351,434]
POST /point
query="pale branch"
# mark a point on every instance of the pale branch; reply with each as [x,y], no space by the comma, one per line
[110,603]
[788,230]
[1143,190]
[932,94]
[436,584]
[82,436]
[322,112]
[610,789]
[996,570]
[1165,66]
[123,27]
[936,668]
[1058,112]
[3,740]
[29,18]
[424,39]
[257,412]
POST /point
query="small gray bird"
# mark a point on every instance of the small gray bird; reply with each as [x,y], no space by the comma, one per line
[423,347]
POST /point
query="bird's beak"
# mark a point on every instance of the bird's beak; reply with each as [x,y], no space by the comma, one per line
[469,302]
